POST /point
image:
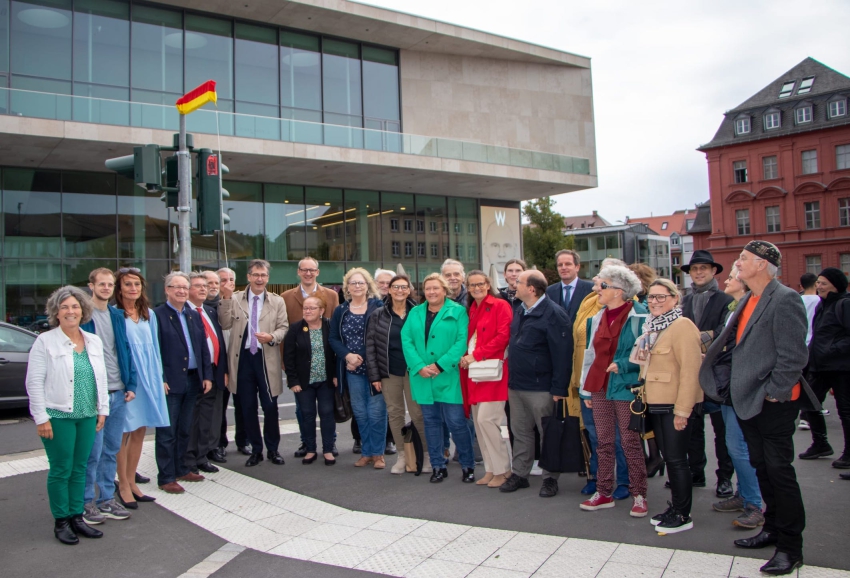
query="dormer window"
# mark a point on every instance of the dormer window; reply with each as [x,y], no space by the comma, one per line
[772,120]
[838,108]
[806,85]
[742,125]
[787,89]
[803,114]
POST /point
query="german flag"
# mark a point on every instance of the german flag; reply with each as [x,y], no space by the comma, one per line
[197,97]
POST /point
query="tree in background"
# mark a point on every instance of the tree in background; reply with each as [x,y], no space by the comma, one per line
[544,236]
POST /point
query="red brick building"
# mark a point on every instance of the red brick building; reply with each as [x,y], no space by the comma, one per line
[779,170]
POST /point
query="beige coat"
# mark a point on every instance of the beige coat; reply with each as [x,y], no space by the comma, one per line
[673,373]
[295,302]
[233,315]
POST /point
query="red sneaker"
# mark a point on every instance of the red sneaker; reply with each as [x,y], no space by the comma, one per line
[597,502]
[639,507]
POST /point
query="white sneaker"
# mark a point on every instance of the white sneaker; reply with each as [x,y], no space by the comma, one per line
[536,470]
[804,425]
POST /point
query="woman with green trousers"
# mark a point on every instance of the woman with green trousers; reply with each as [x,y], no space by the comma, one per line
[69,401]
[433,340]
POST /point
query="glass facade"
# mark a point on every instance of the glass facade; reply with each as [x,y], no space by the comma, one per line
[56,226]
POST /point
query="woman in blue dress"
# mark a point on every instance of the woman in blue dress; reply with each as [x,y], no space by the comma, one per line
[149,409]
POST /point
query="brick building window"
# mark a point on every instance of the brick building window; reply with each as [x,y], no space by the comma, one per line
[408,225]
[770,168]
[771,215]
[812,211]
[396,249]
[742,216]
[394,225]
[408,249]
[844,212]
[842,157]
[742,126]
[810,162]
[771,120]
[813,264]
[844,262]
[837,108]
[740,168]
[803,115]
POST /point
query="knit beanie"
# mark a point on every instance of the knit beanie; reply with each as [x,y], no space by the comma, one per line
[836,277]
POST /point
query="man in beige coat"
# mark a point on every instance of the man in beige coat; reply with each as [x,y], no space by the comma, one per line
[257,322]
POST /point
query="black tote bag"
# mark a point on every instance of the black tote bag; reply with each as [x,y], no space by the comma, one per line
[342,405]
[562,449]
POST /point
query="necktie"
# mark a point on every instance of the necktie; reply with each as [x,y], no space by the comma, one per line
[567,290]
[254,325]
[212,337]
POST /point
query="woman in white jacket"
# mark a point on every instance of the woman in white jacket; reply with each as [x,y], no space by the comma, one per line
[69,401]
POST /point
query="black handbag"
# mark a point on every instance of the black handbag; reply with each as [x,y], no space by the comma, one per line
[342,405]
[562,443]
[637,407]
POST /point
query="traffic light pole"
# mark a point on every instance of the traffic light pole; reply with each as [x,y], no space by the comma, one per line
[184,199]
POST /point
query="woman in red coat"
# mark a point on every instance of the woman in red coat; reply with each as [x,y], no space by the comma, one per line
[489,333]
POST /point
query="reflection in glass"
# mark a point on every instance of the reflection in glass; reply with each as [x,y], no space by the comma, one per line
[41,39]
[431,222]
[28,285]
[157,52]
[245,234]
[209,53]
[362,226]
[88,214]
[286,228]
[396,209]
[300,71]
[341,74]
[325,231]
[102,42]
[256,81]
[4,40]
[380,83]
[462,213]
[142,223]
[31,213]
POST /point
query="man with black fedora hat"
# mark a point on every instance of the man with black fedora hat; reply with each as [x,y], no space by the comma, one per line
[707,305]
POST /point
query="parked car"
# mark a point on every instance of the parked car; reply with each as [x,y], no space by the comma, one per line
[15,345]
[39,326]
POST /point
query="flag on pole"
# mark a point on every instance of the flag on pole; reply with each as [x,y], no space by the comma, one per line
[197,97]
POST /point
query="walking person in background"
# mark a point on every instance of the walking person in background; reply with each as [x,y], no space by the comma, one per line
[108,323]
[811,299]
[68,394]
[149,408]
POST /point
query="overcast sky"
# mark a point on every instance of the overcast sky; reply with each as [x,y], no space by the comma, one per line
[664,71]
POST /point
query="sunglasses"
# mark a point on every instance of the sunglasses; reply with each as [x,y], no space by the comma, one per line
[129,270]
[605,285]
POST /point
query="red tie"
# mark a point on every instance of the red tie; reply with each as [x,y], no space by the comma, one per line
[212,337]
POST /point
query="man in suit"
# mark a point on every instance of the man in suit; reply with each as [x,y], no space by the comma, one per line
[257,322]
[570,290]
[187,373]
[203,442]
[707,306]
[768,333]
[308,272]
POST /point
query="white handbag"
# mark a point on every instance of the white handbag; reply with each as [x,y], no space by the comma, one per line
[486,370]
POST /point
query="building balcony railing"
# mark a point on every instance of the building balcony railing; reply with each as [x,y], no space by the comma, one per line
[52,106]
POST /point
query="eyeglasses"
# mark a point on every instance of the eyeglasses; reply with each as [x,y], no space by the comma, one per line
[311,308]
[400,287]
[357,283]
[178,287]
[661,298]
[605,285]
[477,285]
[260,275]
[129,270]
[311,271]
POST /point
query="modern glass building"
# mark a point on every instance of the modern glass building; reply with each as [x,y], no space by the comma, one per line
[357,135]
[631,243]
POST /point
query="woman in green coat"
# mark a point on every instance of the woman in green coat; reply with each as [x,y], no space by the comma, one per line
[433,340]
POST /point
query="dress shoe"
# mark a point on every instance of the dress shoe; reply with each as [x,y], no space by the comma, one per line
[782,563]
[514,483]
[549,489]
[844,476]
[310,460]
[358,447]
[329,462]
[379,463]
[390,449]
[63,531]
[724,489]
[82,529]
[245,450]
[208,468]
[140,479]
[276,458]
[143,498]
[217,456]
[254,460]
[364,461]
[301,451]
[760,540]
[190,477]
[172,488]
[842,463]
[438,475]
[223,451]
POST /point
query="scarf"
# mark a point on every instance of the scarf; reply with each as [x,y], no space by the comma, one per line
[605,342]
[662,322]
[701,295]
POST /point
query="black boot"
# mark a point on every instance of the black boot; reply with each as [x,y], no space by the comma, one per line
[654,462]
[63,532]
[820,447]
[82,529]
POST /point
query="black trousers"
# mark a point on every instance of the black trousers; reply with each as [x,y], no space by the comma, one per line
[204,436]
[251,384]
[239,437]
[311,397]
[822,382]
[696,448]
[674,448]
[770,439]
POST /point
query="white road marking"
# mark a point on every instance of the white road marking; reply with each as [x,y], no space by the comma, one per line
[214,562]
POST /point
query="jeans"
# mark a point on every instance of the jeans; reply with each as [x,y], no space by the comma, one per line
[770,439]
[453,415]
[102,465]
[675,444]
[748,484]
[173,441]
[311,396]
[370,411]
[67,454]
[590,426]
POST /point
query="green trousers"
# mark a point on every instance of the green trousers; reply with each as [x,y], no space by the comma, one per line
[68,455]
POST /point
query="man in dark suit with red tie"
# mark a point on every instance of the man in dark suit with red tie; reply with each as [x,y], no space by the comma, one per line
[209,406]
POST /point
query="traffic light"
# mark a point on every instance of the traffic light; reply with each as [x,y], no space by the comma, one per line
[171,181]
[144,166]
[210,192]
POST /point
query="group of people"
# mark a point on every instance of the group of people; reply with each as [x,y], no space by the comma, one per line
[468,359]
